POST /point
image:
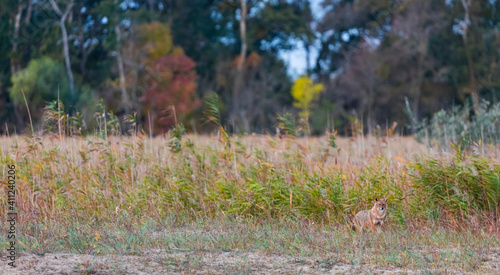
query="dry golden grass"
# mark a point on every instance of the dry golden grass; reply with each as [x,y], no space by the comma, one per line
[127,195]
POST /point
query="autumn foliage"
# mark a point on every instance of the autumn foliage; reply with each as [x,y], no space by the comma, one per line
[172,93]
[304,93]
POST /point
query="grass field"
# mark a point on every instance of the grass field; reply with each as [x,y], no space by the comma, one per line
[259,204]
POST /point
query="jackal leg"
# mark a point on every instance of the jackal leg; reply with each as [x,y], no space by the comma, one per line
[372,225]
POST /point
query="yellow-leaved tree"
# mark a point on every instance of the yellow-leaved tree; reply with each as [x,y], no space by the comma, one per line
[304,93]
[156,40]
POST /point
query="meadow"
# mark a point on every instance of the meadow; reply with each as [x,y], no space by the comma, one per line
[250,203]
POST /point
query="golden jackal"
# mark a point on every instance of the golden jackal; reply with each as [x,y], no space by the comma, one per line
[373,218]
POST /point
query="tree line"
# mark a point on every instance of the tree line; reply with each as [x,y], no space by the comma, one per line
[159,59]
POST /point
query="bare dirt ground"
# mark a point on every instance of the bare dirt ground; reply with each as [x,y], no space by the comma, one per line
[158,262]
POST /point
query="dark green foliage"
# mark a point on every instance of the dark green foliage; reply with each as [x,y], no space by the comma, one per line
[371,55]
[324,117]
[423,54]
[55,120]
[104,33]
[286,123]
[332,137]
[41,82]
[107,122]
[132,120]
[277,22]
[212,114]
[53,115]
[175,142]
[459,126]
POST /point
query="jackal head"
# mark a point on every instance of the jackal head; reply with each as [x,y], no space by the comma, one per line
[380,205]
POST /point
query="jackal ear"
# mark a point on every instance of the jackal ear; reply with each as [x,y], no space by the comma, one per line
[386,199]
[376,199]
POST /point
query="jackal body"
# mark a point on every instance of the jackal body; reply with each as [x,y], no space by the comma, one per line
[373,218]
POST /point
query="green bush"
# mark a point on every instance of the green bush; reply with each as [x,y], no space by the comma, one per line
[458,188]
[459,126]
[40,81]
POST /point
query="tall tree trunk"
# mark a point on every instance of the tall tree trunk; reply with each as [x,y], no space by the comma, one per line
[307,46]
[134,64]
[66,50]
[417,84]
[241,64]
[369,116]
[170,12]
[472,76]
[28,12]
[85,50]
[17,24]
[125,99]
[65,42]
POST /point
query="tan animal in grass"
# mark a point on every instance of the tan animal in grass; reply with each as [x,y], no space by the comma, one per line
[373,218]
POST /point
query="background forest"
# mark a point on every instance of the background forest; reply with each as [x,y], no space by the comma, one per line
[160,60]
[109,167]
